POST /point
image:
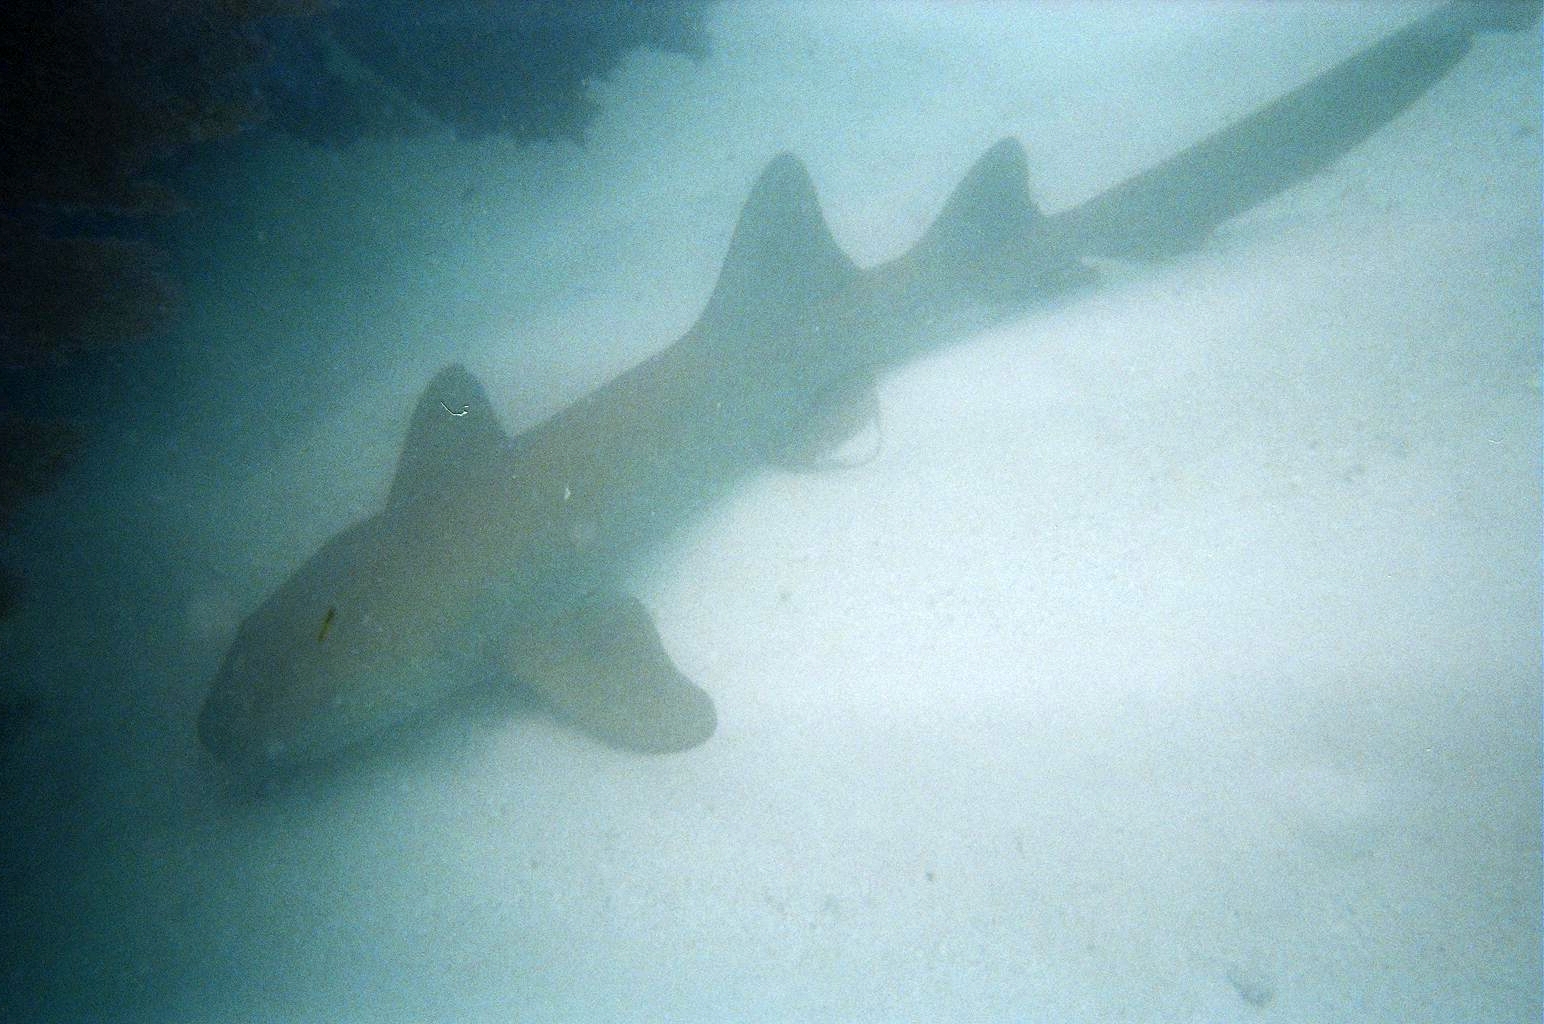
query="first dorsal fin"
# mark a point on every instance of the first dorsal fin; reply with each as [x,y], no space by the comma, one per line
[453,435]
[782,255]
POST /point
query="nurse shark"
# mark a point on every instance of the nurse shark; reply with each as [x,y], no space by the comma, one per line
[516,549]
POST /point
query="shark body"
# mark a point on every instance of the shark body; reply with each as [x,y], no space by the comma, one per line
[520,541]
[516,547]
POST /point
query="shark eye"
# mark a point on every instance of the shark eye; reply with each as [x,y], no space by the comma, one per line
[321,634]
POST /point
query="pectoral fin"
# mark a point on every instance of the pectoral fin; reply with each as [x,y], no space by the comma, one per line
[601,667]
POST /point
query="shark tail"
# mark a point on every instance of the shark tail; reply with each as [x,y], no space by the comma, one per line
[1175,205]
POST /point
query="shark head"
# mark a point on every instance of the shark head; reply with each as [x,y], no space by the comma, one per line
[327,659]
[364,633]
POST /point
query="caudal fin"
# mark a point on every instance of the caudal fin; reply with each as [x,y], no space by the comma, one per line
[1175,205]
[782,257]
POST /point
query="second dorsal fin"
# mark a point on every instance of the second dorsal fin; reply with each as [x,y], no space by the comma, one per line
[991,239]
[782,255]
[989,209]
[454,435]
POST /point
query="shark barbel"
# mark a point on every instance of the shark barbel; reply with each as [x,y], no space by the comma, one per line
[519,546]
